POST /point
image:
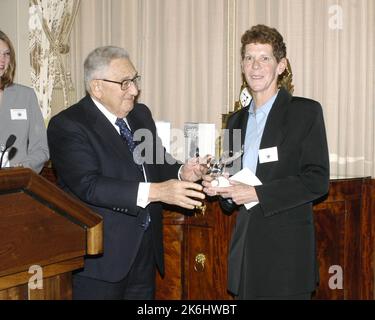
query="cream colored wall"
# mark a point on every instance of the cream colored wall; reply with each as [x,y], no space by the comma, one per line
[14,16]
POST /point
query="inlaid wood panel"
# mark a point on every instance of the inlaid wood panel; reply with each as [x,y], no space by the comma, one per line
[330,235]
[170,287]
[199,264]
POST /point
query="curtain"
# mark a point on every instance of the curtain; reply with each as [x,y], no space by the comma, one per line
[105,22]
[331,48]
[177,46]
[188,53]
[50,24]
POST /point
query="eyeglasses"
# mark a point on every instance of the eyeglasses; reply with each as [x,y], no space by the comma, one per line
[125,85]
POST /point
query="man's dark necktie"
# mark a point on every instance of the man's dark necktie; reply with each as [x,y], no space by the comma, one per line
[127,135]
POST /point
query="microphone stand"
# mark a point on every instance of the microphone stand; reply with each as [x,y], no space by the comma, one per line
[10,141]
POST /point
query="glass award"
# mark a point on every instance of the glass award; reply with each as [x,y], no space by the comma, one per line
[216,168]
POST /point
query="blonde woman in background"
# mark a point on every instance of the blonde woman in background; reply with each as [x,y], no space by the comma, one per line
[20,116]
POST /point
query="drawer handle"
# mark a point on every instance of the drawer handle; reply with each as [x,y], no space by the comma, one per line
[200,211]
[200,260]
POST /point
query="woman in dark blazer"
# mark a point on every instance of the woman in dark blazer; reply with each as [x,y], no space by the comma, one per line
[272,252]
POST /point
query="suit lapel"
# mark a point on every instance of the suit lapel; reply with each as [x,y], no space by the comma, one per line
[274,130]
[100,124]
[135,122]
[241,124]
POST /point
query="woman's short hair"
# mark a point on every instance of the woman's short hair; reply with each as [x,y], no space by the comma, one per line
[264,35]
[98,60]
[8,76]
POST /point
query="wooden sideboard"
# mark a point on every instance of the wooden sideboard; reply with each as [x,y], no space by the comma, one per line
[345,229]
[196,246]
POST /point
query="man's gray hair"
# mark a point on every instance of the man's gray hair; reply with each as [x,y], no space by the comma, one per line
[98,60]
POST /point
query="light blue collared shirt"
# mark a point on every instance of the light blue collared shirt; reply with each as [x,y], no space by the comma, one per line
[254,132]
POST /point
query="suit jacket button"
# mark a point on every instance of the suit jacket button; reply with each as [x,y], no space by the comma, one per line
[126,210]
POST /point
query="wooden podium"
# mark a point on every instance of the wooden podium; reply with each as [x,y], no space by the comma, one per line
[43,233]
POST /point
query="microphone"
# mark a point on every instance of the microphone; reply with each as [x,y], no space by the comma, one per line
[10,141]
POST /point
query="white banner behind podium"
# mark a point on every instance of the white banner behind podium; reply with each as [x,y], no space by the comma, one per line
[199,139]
[164,132]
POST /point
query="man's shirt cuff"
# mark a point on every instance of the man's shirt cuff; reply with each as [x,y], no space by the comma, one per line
[143,192]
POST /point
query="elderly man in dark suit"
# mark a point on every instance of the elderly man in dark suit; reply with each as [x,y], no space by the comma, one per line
[97,158]
[272,252]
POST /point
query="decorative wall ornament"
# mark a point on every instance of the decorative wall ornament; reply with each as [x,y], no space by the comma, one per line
[50,24]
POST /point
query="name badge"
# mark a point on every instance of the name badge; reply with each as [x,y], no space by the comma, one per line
[268,155]
[18,114]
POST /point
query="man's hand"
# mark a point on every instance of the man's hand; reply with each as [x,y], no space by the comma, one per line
[208,187]
[239,192]
[177,192]
[211,182]
[195,168]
